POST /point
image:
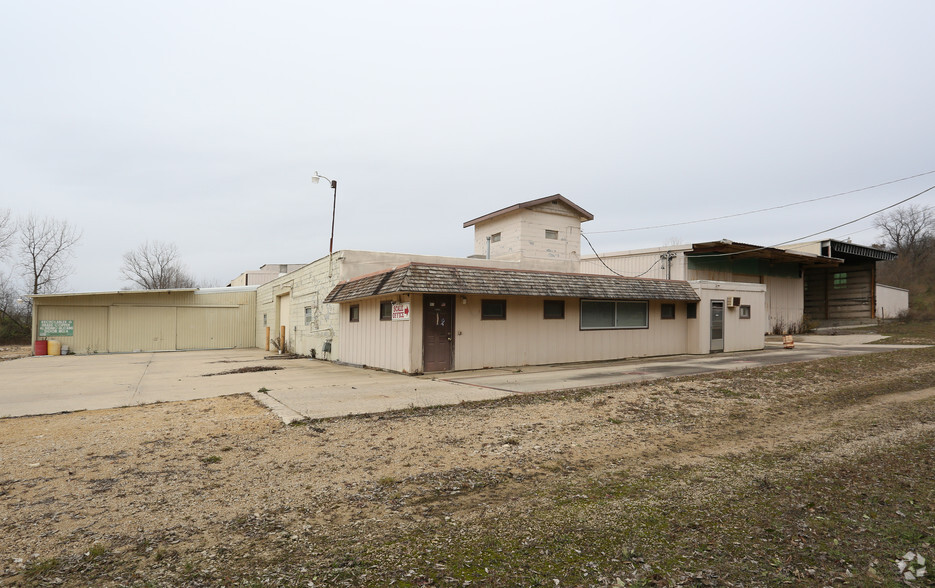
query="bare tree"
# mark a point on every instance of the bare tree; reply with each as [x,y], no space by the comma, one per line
[154,266]
[14,312]
[909,231]
[7,230]
[45,247]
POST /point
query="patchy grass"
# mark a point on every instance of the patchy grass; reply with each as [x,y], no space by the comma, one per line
[908,332]
[837,509]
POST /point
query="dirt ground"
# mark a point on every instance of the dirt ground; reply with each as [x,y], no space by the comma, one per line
[8,352]
[190,492]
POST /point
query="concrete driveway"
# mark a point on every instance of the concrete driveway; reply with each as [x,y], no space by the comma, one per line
[530,379]
[50,384]
[317,389]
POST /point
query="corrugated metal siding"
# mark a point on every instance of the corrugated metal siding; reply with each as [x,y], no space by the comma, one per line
[207,328]
[153,321]
[785,303]
[645,265]
[142,328]
[90,326]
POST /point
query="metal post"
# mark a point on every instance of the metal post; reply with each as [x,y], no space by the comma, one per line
[334,184]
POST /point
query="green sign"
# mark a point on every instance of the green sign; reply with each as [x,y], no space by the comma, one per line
[56,328]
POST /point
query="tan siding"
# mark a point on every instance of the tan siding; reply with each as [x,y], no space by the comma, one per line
[372,342]
[526,338]
[785,302]
[207,328]
[142,328]
[739,334]
[90,322]
[148,321]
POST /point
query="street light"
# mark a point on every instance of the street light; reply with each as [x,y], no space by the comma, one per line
[334,185]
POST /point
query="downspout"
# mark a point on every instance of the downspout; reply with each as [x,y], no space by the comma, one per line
[488,247]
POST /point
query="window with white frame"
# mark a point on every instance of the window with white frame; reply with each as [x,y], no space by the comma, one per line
[614,314]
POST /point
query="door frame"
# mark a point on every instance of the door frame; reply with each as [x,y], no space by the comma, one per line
[426,298]
[711,338]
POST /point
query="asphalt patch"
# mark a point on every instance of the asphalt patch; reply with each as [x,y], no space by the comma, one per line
[246,370]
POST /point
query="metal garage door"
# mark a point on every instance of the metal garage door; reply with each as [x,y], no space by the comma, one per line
[207,328]
[142,328]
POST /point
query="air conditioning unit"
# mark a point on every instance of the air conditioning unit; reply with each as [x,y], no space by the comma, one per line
[733,301]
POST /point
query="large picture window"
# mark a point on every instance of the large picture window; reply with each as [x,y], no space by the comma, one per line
[614,314]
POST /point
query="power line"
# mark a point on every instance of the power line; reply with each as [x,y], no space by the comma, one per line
[705,220]
[600,259]
[856,220]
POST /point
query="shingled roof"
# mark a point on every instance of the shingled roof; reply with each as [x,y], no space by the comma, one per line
[583,215]
[448,279]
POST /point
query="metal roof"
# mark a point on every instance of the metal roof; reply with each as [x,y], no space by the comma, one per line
[447,279]
[746,250]
[217,290]
[854,250]
[583,214]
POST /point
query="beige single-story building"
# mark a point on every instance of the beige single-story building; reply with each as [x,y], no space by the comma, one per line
[470,317]
[147,320]
[520,299]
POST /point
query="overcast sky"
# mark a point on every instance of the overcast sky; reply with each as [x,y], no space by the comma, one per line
[201,123]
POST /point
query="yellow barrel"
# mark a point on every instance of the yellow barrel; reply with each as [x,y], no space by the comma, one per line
[55,348]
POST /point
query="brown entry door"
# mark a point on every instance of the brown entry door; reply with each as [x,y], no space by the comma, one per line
[437,330]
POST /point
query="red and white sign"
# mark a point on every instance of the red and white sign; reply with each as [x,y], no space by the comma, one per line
[400,311]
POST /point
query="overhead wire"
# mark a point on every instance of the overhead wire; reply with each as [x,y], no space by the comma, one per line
[745,251]
[834,228]
[737,214]
[600,259]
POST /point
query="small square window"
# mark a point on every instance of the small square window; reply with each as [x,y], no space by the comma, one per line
[354,313]
[495,238]
[553,309]
[840,280]
[744,311]
[493,310]
[386,310]
[668,311]
[692,309]
[308,315]
[550,234]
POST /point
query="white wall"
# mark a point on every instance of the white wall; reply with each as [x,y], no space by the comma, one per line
[891,301]
[644,263]
[739,334]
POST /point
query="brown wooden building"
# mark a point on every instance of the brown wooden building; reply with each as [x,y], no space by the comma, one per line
[848,291]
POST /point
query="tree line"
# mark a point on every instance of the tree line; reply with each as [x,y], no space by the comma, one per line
[909,231]
[35,258]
